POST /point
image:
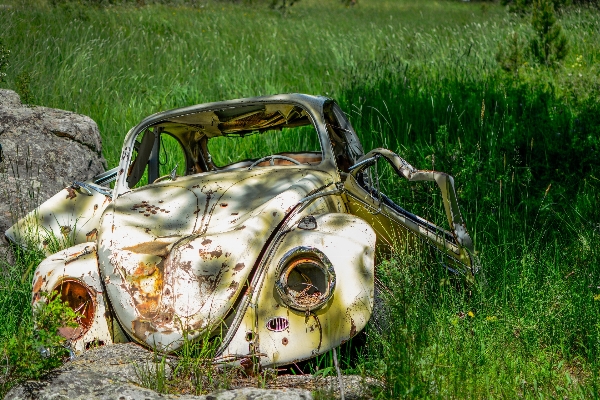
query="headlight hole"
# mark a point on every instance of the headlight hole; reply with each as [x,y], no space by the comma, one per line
[306,279]
[80,299]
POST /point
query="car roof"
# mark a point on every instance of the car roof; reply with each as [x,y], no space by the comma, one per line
[313,104]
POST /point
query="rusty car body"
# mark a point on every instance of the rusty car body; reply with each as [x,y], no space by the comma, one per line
[250,220]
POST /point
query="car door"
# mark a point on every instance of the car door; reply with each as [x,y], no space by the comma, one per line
[400,230]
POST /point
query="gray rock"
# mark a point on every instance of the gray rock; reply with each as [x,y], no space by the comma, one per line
[43,150]
[116,372]
[8,98]
[109,372]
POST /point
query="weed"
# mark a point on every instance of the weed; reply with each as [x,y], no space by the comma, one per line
[191,370]
[23,83]
[4,53]
[31,347]
[154,376]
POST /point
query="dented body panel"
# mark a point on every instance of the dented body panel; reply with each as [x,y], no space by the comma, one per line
[74,273]
[252,220]
[180,263]
[70,216]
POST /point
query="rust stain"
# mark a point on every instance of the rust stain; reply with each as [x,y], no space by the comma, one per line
[239,266]
[74,256]
[239,228]
[352,328]
[163,318]
[144,269]
[186,266]
[284,341]
[206,241]
[142,328]
[155,248]
[209,195]
[211,254]
[38,284]
[72,194]
[65,230]
[274,213]
[148,307]
[233,286]
[91,235]
[95,207]
[146,299]
[234,213]
[224,205]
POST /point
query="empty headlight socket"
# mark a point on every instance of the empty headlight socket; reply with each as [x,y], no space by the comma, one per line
[305,279]
[79,298]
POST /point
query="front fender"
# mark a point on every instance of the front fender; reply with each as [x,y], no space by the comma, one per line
[283,333]
[69,217]
[73,274]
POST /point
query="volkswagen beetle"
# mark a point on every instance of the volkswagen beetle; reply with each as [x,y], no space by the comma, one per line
[252,220]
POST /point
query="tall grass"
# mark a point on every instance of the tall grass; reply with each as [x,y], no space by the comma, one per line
[117,64]
[524,151]
[420,78]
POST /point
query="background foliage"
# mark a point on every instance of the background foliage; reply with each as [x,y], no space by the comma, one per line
[453,86]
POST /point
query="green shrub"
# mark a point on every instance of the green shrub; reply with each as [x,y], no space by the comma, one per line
[549,46]
[32,350]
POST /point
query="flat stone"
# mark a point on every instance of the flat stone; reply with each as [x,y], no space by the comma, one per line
[109,372]
[113,372]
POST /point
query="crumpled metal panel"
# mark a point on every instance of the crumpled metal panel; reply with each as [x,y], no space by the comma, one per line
[70,216]
[176,255]
[79,264]
[397,228]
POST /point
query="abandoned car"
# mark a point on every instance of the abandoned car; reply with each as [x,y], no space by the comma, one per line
[252,220]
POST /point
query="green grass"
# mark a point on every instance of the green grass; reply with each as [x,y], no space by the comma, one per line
[420,78]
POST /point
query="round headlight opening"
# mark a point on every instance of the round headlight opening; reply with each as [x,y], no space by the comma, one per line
[306,279]
[79,298]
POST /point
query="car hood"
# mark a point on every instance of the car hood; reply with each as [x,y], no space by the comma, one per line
[175,255]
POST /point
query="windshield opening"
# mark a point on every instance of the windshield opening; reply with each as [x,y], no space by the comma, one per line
[299,143]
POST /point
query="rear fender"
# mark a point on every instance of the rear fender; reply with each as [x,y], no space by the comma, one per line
[73,274]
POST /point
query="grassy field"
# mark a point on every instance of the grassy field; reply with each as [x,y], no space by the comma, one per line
[420,78]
